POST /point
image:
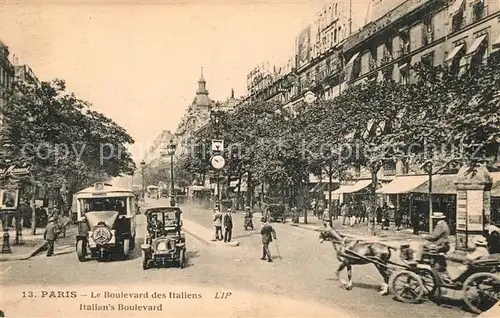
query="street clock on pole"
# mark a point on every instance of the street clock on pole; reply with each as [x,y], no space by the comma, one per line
[218,162]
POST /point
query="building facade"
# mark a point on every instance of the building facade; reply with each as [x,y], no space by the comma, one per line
[24,73]
[7,74]
[153,155]
[396,35]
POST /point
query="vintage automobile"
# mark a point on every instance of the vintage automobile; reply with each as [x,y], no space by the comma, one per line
[164,242]
[106,222]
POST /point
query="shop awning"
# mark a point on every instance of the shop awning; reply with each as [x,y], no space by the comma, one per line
[441,184]
[455,7]
[497,42]
[349,67]
[318,187]
[453,53]
[476,44]
[342,189]
[353,58]
[197,188]
[360,185]
[402,184]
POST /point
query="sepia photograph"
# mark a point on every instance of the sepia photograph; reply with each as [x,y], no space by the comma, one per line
[239,158]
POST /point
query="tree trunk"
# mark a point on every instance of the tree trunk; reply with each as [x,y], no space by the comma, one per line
[249,190]
[330,182]
[374,201]
[33,211]
[238,196]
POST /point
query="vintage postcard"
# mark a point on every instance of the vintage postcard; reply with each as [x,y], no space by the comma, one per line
[238,158]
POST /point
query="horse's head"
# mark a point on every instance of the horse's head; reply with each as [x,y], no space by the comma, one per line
[329,234]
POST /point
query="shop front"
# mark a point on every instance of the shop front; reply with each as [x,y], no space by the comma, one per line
[397,196]
[443,195]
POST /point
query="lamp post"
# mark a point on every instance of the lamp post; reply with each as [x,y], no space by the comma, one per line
[171,152]
[143,196]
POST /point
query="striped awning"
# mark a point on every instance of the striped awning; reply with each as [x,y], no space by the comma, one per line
[402,184]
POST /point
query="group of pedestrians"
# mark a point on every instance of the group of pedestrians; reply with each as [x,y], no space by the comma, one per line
[222,221]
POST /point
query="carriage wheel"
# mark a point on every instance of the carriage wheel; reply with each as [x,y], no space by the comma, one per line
[429,281]
[481,291]
[406,286]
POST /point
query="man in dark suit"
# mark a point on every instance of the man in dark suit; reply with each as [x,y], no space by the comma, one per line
[267,232]
[228,226]
[50,235]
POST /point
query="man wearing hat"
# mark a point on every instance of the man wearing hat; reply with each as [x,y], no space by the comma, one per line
[493,238]
[228,226]
[217,217]
[439,237]
[267,232]
[50,235]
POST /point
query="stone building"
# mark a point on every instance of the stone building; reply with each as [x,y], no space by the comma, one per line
[7,74]
[25,74]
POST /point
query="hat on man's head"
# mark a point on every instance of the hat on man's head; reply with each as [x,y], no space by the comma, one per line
[438,215]
[228,210]
[51,219]
[480,241]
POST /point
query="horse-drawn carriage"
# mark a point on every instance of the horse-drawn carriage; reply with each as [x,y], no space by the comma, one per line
[410,281]
[479,282]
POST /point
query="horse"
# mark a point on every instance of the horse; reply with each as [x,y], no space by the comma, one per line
[350,251]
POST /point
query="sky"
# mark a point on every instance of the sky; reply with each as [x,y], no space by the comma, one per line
[138,62]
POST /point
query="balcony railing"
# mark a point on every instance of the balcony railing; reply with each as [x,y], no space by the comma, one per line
[427,38]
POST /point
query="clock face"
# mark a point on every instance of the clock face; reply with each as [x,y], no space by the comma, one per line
[218,162]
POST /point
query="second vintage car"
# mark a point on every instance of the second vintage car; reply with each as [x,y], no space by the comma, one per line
[164,243]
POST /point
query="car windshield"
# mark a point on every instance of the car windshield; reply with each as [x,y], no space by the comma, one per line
[118,204]
[167,218]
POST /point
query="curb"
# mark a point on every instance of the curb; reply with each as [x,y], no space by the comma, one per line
[34,251]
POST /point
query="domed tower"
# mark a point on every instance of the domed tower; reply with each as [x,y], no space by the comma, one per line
[202,99]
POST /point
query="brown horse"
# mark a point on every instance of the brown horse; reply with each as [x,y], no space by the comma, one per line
[349,251]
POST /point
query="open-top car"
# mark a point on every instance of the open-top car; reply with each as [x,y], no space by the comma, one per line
[164,242]
[106,221]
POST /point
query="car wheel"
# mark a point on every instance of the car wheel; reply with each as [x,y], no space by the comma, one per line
[132,244]
[126,247]
[182,259]
[81,250]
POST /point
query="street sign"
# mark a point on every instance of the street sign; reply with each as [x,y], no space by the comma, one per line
[217,145]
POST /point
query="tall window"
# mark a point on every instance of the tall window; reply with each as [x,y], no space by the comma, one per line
[404,43]
[427,30]
[478,10]
[404,75]
[428,59]
[458,20]
[335,36]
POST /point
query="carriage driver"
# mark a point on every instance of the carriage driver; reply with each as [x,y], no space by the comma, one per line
[438,239]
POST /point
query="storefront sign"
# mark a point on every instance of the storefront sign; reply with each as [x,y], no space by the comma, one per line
[14,170]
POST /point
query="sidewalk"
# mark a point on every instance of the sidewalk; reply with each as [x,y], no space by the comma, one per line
[204,234]
[33,244]
[361,231]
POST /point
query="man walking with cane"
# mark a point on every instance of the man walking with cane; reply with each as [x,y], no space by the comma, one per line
[267,232]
